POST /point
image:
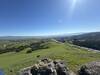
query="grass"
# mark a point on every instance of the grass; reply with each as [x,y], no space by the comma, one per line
[72,55]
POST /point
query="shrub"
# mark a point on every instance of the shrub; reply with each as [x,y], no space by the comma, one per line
[29,50]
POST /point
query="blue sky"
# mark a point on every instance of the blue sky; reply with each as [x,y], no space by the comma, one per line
[48,17]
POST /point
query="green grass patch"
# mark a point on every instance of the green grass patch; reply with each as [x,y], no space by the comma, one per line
[72,55]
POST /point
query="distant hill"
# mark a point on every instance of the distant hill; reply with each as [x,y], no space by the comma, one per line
[90,40]
[19,37]
[87,36]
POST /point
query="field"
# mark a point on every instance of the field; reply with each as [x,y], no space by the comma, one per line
[74,57]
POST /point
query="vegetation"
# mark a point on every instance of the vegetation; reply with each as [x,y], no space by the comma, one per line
[75,56]
[94,44]
[28,50]
[89,40]
[19,45]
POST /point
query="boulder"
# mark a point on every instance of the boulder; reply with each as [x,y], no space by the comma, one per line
[46,67]
[92,68]
[25,71]
[61,68]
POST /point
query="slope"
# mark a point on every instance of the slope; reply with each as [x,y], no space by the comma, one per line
[73,55]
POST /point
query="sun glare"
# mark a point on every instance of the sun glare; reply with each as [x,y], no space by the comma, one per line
[73,4]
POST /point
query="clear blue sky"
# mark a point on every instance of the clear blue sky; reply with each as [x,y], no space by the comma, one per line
[48,17]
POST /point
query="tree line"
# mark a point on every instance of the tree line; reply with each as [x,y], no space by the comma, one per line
[17,46]
[94,44]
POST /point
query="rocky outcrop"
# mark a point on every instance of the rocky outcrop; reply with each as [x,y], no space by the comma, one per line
[57,67]
[46,67]
[92,68]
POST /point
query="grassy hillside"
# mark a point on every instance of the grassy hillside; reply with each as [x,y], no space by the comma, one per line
[72,55]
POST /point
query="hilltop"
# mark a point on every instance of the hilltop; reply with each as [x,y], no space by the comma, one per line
[75,56]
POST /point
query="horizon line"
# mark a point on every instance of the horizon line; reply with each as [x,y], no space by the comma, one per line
[65,34]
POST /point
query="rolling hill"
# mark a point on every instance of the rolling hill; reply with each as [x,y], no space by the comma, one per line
[87,36]
[74,57]
[88,40]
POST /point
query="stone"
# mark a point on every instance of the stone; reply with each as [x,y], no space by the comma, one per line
[46,67]
[92,68]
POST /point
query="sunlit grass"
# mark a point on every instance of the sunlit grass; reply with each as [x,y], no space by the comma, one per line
[72,55]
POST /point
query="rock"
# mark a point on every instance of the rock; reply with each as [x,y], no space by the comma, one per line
[46,67]
[61,68]
[92,68]
[25,71]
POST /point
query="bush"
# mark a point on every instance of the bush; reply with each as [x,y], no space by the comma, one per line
[29,50]
[17,50]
